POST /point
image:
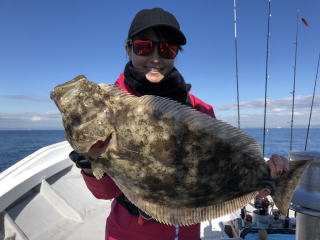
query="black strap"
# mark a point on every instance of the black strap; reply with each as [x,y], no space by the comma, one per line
[132,209]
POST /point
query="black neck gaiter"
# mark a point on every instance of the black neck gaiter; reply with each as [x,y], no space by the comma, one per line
[172,86]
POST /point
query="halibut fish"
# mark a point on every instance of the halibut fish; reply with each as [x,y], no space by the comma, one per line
[175,163]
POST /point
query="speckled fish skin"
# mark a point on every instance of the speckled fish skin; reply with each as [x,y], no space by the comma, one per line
[178,165]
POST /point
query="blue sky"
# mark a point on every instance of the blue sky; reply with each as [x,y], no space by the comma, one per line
[44,43]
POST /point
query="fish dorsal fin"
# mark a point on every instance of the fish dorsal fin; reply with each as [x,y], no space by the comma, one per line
[115,91]
[192,117]
[200,121]
[187,114]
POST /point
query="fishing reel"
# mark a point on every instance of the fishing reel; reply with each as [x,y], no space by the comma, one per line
[262,205]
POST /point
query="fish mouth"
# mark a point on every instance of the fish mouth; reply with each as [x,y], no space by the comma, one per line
[100,146]
[64,88]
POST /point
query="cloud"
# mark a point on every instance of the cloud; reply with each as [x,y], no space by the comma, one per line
[36,118]
[52,114]
[278,115]
[278,105]
[278,112]
[28,98]
[46,120]
[273,120]
[31,116]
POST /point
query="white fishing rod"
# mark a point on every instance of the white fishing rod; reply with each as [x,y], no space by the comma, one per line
[294,79]
[314,91]
[266,80]
[243,210]
[236,56]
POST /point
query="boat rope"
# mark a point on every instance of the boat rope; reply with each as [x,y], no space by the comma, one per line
[314,91]
[294,79]
[236,56]
[266,80]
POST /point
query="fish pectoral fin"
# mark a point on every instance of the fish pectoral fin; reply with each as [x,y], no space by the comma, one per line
[97,170]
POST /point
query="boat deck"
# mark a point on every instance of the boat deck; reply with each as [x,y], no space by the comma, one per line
[44,197]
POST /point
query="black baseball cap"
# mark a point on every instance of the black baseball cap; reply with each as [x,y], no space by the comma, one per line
[157,17]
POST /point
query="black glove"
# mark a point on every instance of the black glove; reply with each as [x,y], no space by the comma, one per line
[79,160]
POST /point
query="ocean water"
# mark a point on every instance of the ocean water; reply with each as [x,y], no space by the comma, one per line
[278,140]
[15,145]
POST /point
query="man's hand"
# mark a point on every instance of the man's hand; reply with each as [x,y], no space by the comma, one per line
[277,165]
[81,162]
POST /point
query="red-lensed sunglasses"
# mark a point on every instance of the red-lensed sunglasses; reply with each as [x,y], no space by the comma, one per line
[145,48]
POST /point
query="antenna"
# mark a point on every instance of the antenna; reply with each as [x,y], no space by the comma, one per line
[236,55]
[314,91]
[294,79]
[266,80]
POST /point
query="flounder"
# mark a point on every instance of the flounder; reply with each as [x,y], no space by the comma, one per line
[175,163]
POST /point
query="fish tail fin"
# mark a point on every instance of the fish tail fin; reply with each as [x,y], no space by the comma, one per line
[286,184]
